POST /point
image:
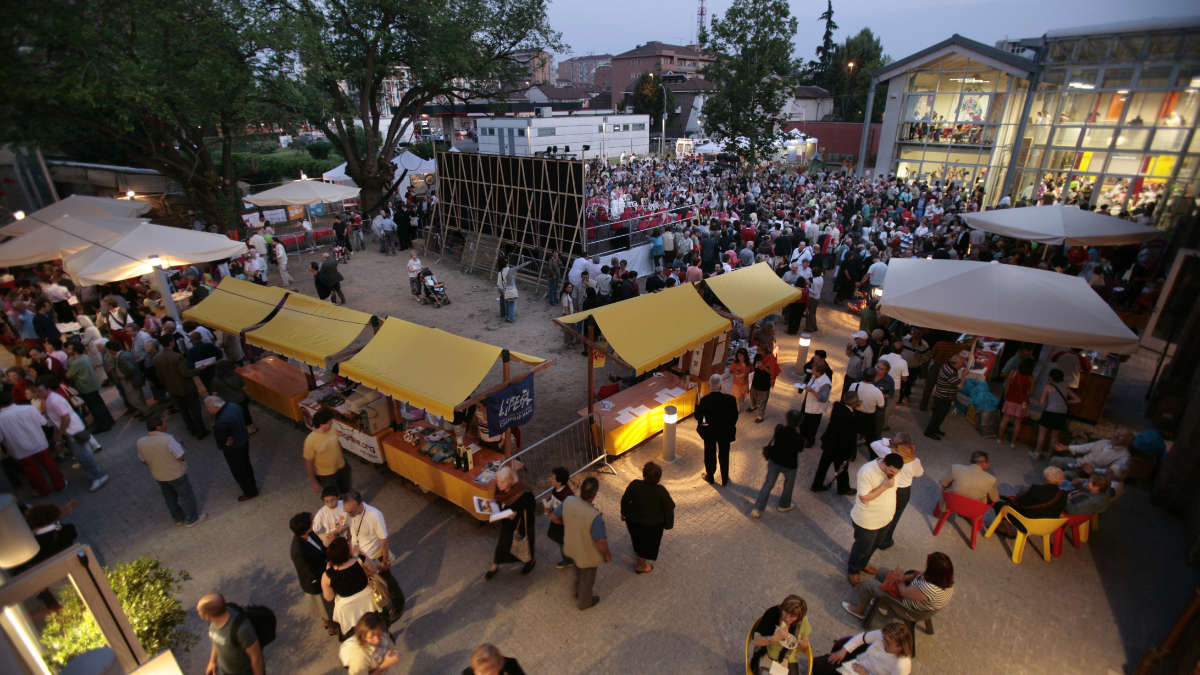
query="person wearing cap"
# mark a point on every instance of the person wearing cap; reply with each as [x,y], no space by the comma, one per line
[858,358]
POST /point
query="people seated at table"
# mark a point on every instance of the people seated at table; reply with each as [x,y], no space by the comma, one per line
[888,651]
[973,480]
[1107,456]
[917,592]
[1043,500]
[781,636]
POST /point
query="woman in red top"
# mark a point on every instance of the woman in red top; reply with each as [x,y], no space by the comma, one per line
[1017,389]
[20,384]
[740,372]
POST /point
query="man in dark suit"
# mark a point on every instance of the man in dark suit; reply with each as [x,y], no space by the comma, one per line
[717,415]
[308,555]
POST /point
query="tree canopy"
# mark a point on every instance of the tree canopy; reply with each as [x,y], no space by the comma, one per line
[752,68]
[154,81]
[330,59]
[648,99]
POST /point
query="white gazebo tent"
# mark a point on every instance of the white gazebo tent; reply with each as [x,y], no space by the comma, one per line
[1058,224]
[302,193]
[1003,301]
[62,236]
[139,250]
[78,206]
[406,161]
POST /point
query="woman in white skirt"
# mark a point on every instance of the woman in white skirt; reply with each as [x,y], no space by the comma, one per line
[344,583]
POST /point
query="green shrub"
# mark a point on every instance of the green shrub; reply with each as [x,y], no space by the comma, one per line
[319,150]
[280,166]
[146,590]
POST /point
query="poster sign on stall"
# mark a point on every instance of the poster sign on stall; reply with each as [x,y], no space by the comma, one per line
[510,407]
[363,445]
[295,212]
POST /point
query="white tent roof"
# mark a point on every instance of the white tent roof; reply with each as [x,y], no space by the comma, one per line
[1003,301]
[1059,224]
[58,238]
[78,205]
[302,192]
[128,255]
[406,160]
[709,148]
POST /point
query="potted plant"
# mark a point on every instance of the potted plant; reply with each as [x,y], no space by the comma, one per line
[146,590]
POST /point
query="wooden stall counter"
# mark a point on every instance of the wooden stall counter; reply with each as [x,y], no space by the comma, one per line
[457,487]
[631,416]
[1094,389]
[277,384]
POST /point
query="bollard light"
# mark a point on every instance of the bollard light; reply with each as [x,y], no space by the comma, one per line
[18,215]
[670,417]
[877,292]
[802,354]
[129,194]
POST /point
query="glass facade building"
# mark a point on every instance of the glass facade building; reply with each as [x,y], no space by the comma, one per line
[1102,118]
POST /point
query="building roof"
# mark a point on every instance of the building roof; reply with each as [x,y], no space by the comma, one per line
[1139,26]
[1019,63]
[572,93]
[589,57]
[809,91]
[691,86]
[655,47]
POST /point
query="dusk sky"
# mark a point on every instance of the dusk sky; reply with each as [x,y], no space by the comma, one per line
[905,26]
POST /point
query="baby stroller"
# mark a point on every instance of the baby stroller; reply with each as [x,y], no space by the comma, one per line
[432,290]
[341,254]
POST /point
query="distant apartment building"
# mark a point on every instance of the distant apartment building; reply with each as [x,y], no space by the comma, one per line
[539,63]
[654,57]
[582,69]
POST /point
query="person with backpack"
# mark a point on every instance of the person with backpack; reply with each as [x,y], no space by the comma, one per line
[238,635]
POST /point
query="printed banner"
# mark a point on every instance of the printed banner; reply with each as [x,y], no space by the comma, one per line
[361,444]
[510,407]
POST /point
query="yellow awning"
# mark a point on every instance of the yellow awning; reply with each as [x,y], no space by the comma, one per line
[309,329]
[424,366]
[752,292]
[654,328]
[235,305]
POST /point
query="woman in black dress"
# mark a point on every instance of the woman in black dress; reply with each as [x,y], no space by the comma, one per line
[838,444]
[344,583]
[647,509]
[511,493]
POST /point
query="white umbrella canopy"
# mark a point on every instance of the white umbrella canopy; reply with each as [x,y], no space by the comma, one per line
[302,192]
[129,255]
[1059,224]
[59,238]
[1003,301]
[78,206]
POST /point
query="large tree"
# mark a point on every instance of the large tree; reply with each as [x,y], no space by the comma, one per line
[752,69]
[821,70]
[849,85]
[331,57]
[648,99]
[167,85]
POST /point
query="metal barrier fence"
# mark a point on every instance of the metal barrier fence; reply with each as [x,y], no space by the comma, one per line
[572,446]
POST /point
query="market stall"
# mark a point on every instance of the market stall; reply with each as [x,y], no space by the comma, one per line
[60,237]
[438,372]
[305,329]
[235,305]
[1008,302]
[751,293]
[1059,224]
[79,206]
[643,333]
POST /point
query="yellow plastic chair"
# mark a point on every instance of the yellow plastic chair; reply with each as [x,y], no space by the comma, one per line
[750,650]
[1034,527]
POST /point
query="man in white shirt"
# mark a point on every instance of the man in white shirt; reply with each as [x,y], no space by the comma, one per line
[1107,456]
[898,367]
[258,242]
[901,444]
[69,429]
[414,268]
[875,274]
[1067,361]
[872,399]
[874,506]
[256,270]
[369,538]
[309,241]
[21,431]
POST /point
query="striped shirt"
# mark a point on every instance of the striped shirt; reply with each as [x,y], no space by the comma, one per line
[935,596]
[947,382]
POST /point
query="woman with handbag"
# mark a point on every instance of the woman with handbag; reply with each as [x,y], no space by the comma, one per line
[516,543]
[781,455]
[559,491]
[1054,401]
[781,635]
[345,583]
[927,591]
[647,509]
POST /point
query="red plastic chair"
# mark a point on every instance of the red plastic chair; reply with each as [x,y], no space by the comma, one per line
[962,506]
[1079,525]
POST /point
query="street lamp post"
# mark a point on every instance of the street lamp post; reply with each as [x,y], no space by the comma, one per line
[849,78]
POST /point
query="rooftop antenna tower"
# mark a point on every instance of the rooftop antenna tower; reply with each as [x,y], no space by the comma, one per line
[701,17]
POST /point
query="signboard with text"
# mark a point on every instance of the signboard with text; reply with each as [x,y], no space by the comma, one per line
[510,407]
[361,444]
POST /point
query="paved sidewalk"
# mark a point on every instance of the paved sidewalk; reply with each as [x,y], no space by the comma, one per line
[1094,610]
